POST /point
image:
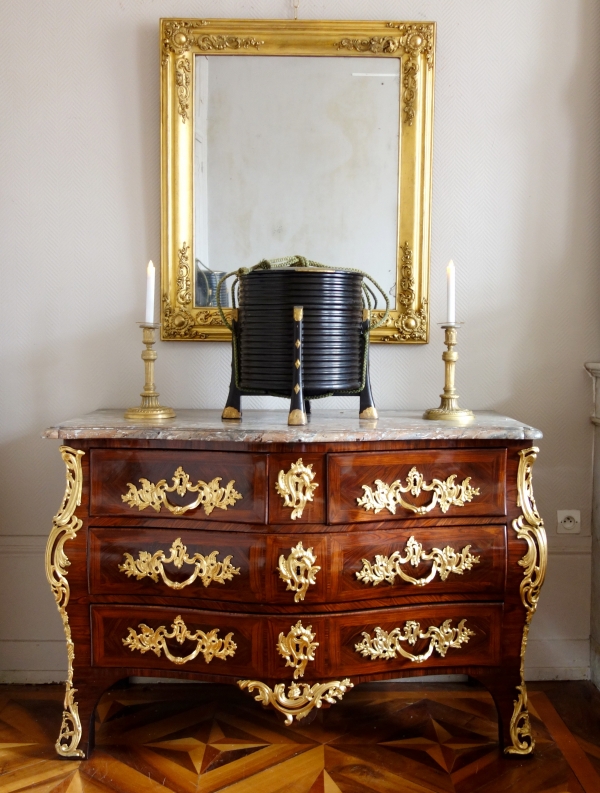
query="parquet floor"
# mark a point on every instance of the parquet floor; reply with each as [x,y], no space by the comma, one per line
[381,737]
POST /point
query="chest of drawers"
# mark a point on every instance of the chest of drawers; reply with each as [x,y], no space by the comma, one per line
[295,562]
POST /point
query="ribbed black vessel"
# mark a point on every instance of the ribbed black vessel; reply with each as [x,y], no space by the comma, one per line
[333,341]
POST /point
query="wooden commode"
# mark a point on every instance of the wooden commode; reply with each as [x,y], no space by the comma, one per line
[296,562]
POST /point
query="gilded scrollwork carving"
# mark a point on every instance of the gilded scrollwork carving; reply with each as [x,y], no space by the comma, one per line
[296,487]
[207,568]
[183,69]
[65,526]
[178,40]
[298,647]
[529,527]
[444,562]
[378,45]
[410,324]
[207,43]
[386,645]
[179,321]
[210,494]
[417,38]
[301,697]
[299,570]
[414,40]
[208,316]
[207,644]
[179,36]
[445,494]
[184,284]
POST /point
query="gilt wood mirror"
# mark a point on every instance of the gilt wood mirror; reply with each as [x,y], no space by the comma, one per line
[295,137]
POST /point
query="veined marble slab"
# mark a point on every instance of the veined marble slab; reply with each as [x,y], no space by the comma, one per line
[270,426]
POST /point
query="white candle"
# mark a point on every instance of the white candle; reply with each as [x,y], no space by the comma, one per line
[451,295]
[150,294]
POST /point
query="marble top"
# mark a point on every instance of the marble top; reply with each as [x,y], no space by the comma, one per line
[270,426]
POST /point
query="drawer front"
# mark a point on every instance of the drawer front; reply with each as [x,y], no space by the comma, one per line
[158,483]
[285,647]
[295,569]
[167,638]
[205,566]
[376,486]
[441,561]
[453,635]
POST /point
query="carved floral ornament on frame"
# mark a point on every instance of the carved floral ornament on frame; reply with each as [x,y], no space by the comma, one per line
[407,46]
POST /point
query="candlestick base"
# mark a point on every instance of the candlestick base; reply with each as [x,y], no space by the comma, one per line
[150,408]
[153,413]
[457,416]
[449,409]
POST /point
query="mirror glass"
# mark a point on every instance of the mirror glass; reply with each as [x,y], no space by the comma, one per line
[295,155]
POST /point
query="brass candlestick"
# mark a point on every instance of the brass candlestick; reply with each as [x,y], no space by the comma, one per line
[150,407]
[448,409]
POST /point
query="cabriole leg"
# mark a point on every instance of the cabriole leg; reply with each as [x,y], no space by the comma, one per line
[510,697]
[88,696]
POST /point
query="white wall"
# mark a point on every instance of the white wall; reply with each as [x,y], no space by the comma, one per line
[515,204]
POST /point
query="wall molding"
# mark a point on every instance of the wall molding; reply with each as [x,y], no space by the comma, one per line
[578,544]
[557,659]
[25,544]
[32,661]
[22,677]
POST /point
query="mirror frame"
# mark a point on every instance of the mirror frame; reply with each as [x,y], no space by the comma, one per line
[413,43]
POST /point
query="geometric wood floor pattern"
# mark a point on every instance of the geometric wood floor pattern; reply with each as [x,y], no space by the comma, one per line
[204,738]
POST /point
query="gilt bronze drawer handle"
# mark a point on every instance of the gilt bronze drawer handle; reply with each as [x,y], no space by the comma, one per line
[298,570]
[207,568]
[301,697]
[387,645]
[210,495]
[296,487]
[298,647]
[445,561]
[446,494]
[208,644]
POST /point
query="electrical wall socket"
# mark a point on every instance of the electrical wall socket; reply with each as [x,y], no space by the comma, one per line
[568,521]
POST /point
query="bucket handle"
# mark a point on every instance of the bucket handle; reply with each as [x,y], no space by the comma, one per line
[369,297]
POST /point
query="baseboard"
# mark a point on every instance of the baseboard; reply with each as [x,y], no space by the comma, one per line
[569,544]
[557,659]
[595,662]
[33,658]
[557,673]
[22,678]
[23,545]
